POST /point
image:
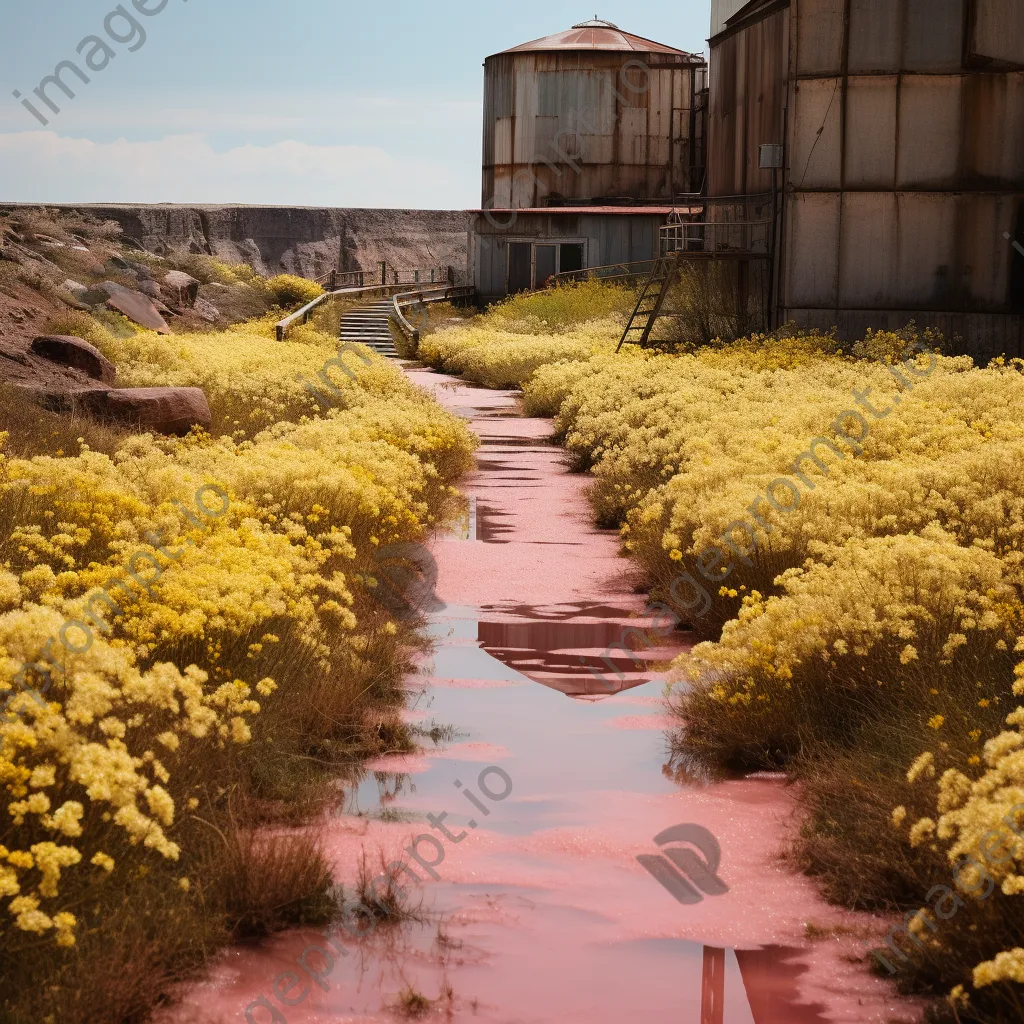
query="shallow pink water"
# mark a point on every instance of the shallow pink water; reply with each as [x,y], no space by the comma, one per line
[540,910]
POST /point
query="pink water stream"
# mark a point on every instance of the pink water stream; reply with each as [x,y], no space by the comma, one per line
[540,910]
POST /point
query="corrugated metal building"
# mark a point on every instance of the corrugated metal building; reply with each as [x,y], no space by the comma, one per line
[590,137]
[589,114]
[902,186]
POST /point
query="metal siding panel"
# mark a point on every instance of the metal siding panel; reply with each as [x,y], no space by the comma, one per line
[641,242]
[752,62]
[875,35]
[867,256]
[982,253]
[525,112]
[523,192]
[934,35]
[817,134]
[503,141]
[871,132]
[598,149]
[549,99]
[722,11]
[659,119]
[544,131]
[657,151]
[998,30]
[813,245]
[723,140]
[633,137]
[926,250]
[819,36]
[929,131]
[994,142]
[503,189]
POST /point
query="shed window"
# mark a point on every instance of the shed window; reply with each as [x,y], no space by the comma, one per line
[571,257]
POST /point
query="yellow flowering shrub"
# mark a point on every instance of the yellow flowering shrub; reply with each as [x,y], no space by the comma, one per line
[289,290]
[186,620]
[505,358]
[251,380]
[871,631]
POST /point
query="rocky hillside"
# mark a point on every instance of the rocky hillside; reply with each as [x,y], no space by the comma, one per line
[73,275]
[295,240]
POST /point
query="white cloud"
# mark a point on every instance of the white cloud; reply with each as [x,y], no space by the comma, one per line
[42,166]
[292,112]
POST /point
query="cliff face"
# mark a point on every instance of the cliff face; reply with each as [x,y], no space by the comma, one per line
[295,239]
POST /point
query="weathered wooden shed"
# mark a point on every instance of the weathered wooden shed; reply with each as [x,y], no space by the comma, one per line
[518,250]
[901,190]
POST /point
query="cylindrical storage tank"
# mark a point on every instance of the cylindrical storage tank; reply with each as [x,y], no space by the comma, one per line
[587,115]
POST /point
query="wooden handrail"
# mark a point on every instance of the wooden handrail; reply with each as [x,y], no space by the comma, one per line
[413,333]
[643,268]
[283,327]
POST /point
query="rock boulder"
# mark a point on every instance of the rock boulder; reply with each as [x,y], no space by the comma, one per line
[181,288]
[67,350]
[76,289]
[207,310]
[163,410]
[137,307]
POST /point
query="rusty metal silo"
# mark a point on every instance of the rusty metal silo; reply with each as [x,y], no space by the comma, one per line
[591,115]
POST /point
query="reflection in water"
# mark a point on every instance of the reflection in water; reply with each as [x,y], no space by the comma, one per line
[770,978]
[578,658]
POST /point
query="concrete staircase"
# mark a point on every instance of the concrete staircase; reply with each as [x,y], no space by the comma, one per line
[368,324]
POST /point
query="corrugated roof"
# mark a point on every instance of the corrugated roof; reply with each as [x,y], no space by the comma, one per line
[604,211]
[597,35]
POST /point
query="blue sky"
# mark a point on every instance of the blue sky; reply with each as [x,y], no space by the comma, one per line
[257,101]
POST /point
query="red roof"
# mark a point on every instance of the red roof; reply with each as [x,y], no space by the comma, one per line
[599,35]
[622,211]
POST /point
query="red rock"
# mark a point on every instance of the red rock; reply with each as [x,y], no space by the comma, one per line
[152,289]
[207,311]
[77,353]
[164,410]
[139,308]
[183,288]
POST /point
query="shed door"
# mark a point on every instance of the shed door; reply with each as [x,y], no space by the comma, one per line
[545,264]
[519,267]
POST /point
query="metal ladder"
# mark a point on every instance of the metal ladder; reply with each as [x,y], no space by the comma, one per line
[652,298]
